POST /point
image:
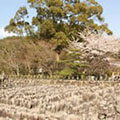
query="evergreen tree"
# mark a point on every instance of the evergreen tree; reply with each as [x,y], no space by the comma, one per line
[67,16]
[18,24]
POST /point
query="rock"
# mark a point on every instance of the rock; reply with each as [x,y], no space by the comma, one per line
[73,117]
[117,117]
[29,105]
[102,116]
[117,106]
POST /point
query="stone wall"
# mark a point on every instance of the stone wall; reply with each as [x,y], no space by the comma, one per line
[20,81]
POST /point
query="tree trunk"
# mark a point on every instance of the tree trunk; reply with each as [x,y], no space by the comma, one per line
[57,57]
[17,71]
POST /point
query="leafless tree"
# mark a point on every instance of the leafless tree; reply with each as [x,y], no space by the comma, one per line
[11,60]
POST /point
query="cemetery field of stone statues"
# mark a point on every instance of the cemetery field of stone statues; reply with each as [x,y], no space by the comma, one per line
[25,99]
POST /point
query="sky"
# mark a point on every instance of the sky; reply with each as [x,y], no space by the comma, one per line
[111,13]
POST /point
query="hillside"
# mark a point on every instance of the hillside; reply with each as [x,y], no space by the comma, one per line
[25,55]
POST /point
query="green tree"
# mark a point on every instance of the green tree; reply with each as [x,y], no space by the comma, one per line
[72,64]
[18,24]
[68,16]
[47,29]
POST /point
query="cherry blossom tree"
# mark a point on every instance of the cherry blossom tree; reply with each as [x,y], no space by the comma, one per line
[97,43]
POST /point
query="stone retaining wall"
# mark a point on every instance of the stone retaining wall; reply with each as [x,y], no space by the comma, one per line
[14,82]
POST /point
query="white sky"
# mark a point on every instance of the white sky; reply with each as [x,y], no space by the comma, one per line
[4,34]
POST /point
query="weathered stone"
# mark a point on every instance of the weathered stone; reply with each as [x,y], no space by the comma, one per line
[102,116]
[117,105]
[73,117]
[82,102]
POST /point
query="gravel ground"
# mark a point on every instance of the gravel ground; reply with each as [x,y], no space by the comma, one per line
[61,102]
